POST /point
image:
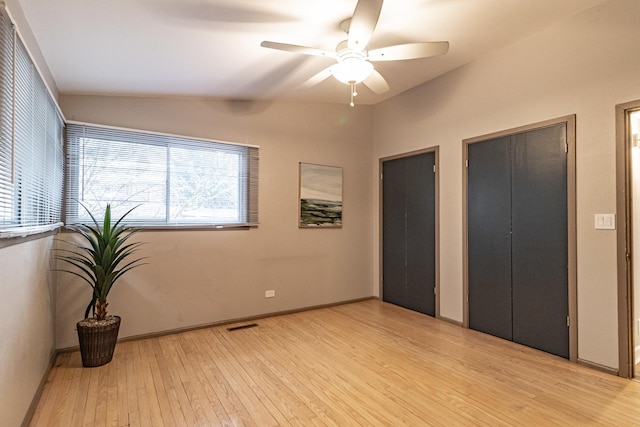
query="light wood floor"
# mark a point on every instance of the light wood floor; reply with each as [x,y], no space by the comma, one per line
[367,363]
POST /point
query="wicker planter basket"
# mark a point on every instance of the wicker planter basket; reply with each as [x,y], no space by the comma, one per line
[97,342]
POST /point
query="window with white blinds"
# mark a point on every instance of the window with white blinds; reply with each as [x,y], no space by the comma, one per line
[31,157]
[174,181]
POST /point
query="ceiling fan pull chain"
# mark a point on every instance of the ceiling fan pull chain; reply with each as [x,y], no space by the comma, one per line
[353,93]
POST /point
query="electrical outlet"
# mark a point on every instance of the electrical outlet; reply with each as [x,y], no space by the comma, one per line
[269,294]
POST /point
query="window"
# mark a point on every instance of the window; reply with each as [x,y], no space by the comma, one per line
[174,181]
[31,158]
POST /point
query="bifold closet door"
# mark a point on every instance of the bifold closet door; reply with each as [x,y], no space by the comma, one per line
[518,238]
[540,240]
[408,210]
[489,237]
[394,245]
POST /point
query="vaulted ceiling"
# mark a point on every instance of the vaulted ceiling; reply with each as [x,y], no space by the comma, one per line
[211,48]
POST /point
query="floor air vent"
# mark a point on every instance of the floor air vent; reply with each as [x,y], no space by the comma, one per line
[235,328]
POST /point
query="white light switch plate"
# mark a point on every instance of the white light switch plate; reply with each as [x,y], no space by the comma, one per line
[605,221]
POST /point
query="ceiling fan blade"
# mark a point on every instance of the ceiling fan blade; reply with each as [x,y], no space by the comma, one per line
[364,20]
[297,49]
[409,51]
[376,82]
[320,77]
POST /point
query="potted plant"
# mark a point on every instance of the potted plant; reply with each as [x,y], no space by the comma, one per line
[105,256]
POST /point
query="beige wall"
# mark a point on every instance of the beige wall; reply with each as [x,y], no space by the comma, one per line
[27,326]
[585,66]
[199,277]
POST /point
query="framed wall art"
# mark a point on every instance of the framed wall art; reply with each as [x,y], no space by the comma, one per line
[320,198]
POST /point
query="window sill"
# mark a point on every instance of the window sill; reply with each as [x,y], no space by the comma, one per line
[6,240]
[189,227]
[18,232]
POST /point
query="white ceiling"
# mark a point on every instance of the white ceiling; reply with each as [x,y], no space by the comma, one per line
[212,47]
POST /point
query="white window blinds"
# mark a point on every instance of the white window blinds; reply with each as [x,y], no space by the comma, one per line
[175,181]
[31,158]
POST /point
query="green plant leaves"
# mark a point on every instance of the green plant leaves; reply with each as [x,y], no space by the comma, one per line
[106,256]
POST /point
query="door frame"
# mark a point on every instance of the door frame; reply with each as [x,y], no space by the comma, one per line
[570,122]
[434,149]
[626,354]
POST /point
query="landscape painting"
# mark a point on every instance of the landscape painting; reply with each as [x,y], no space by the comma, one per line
[320,196]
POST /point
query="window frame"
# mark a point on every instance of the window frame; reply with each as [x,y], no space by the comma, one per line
[31,202]
[248,177]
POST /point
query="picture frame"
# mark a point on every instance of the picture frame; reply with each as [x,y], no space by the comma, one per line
[320,196]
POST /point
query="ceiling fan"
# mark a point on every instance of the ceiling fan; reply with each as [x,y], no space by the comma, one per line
[353,60]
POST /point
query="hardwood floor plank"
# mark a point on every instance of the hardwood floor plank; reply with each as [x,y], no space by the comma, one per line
[367,363]
[63,396]
[92,398]
[111,419]
[367,386]
[178,377]
[52,388]
[290,403]
[290,406]
[134,374]
[222,389]
[199,364]
[243,386]
[161,381]
[295,356]
[66,409]
[349,383]
[133,420]
[101,396]
[157,399]
[193,388]
[144,414]
[82,394]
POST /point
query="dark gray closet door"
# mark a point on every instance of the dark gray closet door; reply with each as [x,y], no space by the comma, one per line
[539,240]
[420,229]
[394,245]
[518,238]
[489,237]
[409,232]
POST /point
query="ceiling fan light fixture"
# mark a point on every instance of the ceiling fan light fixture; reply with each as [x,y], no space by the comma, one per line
[352,66]
[352,70]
